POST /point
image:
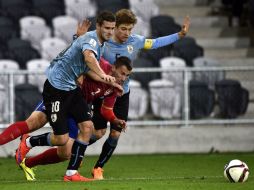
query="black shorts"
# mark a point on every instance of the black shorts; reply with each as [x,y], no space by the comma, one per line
[121,109]
[60,104]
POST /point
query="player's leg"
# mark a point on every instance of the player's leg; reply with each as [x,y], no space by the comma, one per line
[81,114]
[121,108]
[35,121]
[57,103]
[52,155]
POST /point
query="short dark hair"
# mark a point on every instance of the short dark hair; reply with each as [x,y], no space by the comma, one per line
[105,16]
[125,16]
[123,61]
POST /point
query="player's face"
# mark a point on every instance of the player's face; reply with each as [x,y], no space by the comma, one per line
[105,31]
[123,31]
[121,73]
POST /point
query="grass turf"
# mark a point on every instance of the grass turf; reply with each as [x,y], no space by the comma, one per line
[135,172]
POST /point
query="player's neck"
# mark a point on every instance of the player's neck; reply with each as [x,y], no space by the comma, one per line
[115,39]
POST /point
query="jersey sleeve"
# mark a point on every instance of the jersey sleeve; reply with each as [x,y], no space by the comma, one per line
[107,107]
[89,43]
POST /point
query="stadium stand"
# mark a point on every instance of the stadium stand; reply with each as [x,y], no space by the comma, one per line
[37,65]
[144,8]
[64,27]
[138,101]
[21,51]
[26,99]
[142,28]
[48,9]
[209,77]
[51,47]
[111,5]
[233,99]
[202,99]
[80,9]
[34,29]
[144,79]
[10,65]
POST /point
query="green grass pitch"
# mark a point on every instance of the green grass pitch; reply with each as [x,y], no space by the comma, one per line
[135,172]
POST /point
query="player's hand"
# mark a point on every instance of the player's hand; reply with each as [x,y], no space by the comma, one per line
[83,27]
[185,27]
[108,78]
[120,123]
[119,88]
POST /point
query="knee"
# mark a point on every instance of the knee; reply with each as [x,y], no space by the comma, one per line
[100,133]
[86,127]
[59,140]
[114,134]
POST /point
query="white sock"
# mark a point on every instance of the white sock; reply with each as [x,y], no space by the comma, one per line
[71,172]
[28,144]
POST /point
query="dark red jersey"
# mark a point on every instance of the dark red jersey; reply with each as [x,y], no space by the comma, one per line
[94,89]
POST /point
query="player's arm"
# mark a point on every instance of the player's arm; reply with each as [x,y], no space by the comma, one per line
[107,111]
[96,77]
[93,64]
[82,28]
[167,40]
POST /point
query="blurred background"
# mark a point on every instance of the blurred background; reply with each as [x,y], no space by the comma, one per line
[196,95]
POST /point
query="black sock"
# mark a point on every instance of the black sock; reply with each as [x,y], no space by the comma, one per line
[93,139]
[107,151]
[40,140]
[77,154]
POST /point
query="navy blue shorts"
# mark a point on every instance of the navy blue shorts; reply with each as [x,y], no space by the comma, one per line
[72,124]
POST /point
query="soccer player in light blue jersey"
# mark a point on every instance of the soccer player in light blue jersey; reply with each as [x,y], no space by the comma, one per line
[62,97]
[123,43]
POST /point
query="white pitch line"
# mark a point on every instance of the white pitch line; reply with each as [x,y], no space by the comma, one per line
[122,179]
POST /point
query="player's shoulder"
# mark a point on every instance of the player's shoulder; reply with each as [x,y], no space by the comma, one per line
[89,37]
[135,37]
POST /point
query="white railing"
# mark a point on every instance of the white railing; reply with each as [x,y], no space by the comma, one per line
[184,121]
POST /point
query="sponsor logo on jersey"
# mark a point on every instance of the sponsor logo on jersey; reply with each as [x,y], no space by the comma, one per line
[130,49]
[53,117]
[93,43]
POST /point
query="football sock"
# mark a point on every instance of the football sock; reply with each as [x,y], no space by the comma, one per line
[40,140]
[50,156]
[13,131]
[107,151]
[77,154]
[93,139]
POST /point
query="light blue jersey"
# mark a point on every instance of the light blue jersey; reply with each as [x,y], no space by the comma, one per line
[131,47]
[69,64]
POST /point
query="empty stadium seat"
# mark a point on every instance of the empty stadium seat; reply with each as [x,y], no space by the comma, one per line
[10,65]
[65,27]
[177,77]
[3,103]
[51,47]
[144,8]
[162,25]
[165,99]
[138,100]
[210,77]
[8,30]
[37,65]
[141,28]
[15,9]
[80,9]
[34,29]
[48,9]
[112,5]
[27,97]
[188,50]
[144,79]
[21,51]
